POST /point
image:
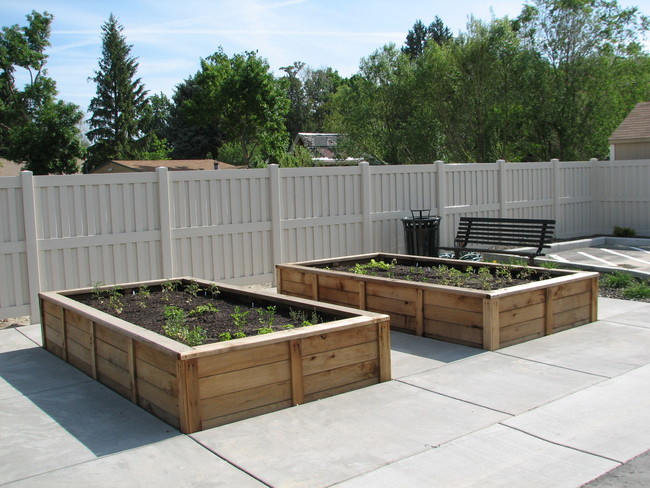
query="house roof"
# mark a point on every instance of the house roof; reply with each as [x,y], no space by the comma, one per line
[321,145]
[9,168]
[171,164]
[635,127]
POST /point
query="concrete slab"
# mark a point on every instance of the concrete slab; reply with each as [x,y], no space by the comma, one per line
[70,425]
[32,332]
[602,348]
[411,354]
[31,370]
[608,307]
[609,419]
[178,462]
[331,440]
[493,457]
[12,340]
[503,383]
[639,317]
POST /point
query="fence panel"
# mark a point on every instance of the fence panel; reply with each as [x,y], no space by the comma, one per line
[70,231]
[14,285]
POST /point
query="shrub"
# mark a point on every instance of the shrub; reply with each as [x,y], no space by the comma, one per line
[618,279]
[640,290]
[624,232]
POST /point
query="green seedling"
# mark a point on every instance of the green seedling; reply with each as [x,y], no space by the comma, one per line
[175,327]
[203,309]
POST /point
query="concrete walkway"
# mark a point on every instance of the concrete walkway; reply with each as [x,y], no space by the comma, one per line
[555,412]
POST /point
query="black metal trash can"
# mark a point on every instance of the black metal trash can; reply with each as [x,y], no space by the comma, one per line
[421,233]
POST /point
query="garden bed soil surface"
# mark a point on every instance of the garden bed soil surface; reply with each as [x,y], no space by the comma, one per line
[147,311]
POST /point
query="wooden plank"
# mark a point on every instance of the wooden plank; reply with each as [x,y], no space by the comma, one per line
[187,375]
[78,363]
[569,318]
[242,359]
[335,378]
[114,338]
[149,394]
[297,386]
[78,321]
[574,301]
[93,351]
[165,416]
[390,305]
[339,297]
[340,357]
[245,414]
[462,302]
[459,334]
[107,369]
[419,314]
[52,309]
[519,315]
[244,379]
[548,312]
[340,283]
[244,400]
[391,290]
[114,385]
[490,324]
[55,337]
[131,363]
[453,315]
[294,276]
[157,377]
[521,300]
[54,323]
[337,339]
[593,315]
[531,328]
[156,357]
[341,389]
[572,288]
[363,303]
[112,354]
[314,287]
[296,289]
[77,335]
[64,336]
[80,352]
[383,346]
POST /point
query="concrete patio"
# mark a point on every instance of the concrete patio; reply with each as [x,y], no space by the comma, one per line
[555,412]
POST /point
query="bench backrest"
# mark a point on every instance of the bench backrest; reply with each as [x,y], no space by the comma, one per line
[505,232]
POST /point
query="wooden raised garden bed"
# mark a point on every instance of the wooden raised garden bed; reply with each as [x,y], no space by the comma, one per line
[488,319]
[195,388]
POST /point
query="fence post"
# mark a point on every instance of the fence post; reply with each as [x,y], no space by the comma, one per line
[593,183]
[165,222]
[441,200]
[366,224]
[503,197]
[31,244]
[556,189]
[276,216]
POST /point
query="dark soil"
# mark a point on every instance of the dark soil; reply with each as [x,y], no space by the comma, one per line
[148,311]
[469,277]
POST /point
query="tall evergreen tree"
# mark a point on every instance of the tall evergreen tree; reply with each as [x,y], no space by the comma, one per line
[119,107]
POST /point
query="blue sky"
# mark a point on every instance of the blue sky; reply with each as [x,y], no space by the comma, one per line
[170,37]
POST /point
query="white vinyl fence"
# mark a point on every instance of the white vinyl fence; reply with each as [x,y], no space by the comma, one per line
[61,232]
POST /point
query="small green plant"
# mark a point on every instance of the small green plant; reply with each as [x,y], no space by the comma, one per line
[239,317]
[98,293]
[373,265]
[144,294]
[638,291]
[203,309]
[301,317]
[225,336]
[618,279]
[620,231]
[192,289]
[213,290]
[175,326]
[485,278]
[170,286]
[115,295]
[288,326]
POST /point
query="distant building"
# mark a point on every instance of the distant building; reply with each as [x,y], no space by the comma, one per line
[631,140]
[9,168]
[322,148]
[130,166]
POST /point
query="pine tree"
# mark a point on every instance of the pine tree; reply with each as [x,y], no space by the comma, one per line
[119,107]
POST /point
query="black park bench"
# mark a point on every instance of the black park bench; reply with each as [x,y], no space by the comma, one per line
[509,233]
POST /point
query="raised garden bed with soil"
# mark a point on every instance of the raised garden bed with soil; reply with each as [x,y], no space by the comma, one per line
[284,360]
[489,306]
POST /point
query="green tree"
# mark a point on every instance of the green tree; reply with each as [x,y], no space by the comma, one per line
[119,107]
[297,114]
[583,42]
[189,139]
[35,129]
[320,85]
[241,96]
[418,37]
